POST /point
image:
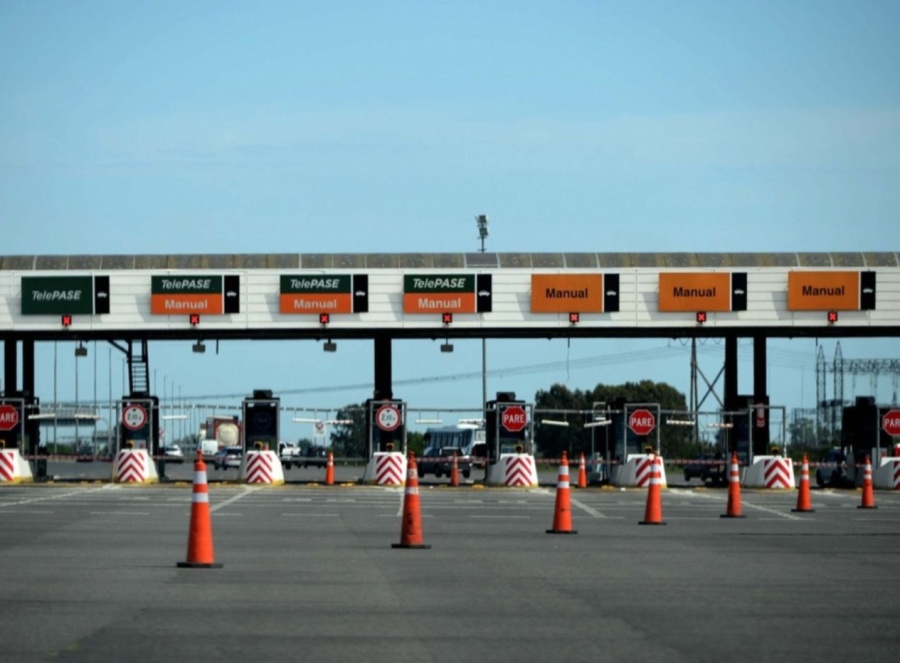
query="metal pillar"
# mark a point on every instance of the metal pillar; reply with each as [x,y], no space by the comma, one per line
[10,365]
[383,378]
[760,397]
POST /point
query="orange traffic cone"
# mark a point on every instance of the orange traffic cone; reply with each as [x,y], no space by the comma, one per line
[454,471]
[411,529]
[868,494]
[329,470]
[200,543]
[734,490]
[653,512]
[804,499]
[582,473]
[562,514]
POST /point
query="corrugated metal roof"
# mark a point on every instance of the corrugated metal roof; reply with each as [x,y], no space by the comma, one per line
[409,261]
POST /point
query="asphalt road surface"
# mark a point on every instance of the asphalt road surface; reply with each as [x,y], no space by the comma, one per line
[89,574]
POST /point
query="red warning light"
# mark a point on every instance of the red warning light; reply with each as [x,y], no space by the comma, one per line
[701,317]
[447,318]
[324,318]
[66,320]
[574,318]
[195,319]
[832,317]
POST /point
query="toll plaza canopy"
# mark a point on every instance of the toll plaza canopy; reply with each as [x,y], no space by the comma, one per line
[424,295]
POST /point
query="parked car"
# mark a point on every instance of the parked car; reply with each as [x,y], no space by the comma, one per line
[313,456]
[173,454]
[439,462]
[708,467]
[228,457]
[833,470]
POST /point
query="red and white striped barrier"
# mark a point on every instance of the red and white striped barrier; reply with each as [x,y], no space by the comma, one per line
[635,471]
[887,475]
[387,468]
[514,471]
[770,472]
[134,466]
[262,467]
[13,467]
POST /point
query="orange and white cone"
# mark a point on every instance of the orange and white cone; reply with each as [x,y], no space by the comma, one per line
[200,543]
[329,470]
[582,473]
[454,471]
[562,514]
[868,492]
[734,490]
[653,512]
[804,498]
[411,529]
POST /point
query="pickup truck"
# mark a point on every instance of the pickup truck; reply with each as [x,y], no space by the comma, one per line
[289,454]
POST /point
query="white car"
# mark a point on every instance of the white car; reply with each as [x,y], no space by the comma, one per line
[173,454]
[228,457]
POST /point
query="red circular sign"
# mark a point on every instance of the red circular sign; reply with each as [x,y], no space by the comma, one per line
[388,417]
[514,418]
[890,422]
[9,417]
[642,422]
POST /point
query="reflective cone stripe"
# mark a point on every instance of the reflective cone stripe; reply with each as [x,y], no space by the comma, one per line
[653,512]
[562,514]
[868,493]
[200,543]
[734,490]
[804,498]
[329,470]
[582,473]
[411,528]
[454,472]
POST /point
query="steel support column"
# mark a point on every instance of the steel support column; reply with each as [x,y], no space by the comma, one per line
[10,365]
[760,397]
[383,377]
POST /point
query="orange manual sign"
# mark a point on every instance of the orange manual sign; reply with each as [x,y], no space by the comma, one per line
[567,293]
[694,291]
[823,291]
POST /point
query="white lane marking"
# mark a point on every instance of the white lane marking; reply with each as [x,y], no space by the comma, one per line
[230,500]
[310,515]
[50,497]
[588,510]
[744,503]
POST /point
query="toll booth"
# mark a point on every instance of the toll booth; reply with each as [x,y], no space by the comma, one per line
[138,440]
[508,426]
[385,442]
[385,426]
[261,414]
[20,438]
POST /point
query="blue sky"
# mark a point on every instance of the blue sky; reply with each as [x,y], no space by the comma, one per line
[247,127]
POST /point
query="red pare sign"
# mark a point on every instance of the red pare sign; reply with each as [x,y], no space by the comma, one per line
[514,418]
[890,422]
[9,417]
[642,422]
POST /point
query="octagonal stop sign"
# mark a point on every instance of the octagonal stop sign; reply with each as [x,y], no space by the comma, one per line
[513,418]
[642,421]
[890,422]
[9,417]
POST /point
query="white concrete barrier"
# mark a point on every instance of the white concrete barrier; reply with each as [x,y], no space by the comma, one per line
[134,466]
[13,467]
[262,467]
[514,471]
[770,472]
[887,475]
[635,471]
[387,468]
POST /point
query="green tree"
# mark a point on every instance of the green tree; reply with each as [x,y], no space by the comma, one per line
[348,440]
[575,408]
